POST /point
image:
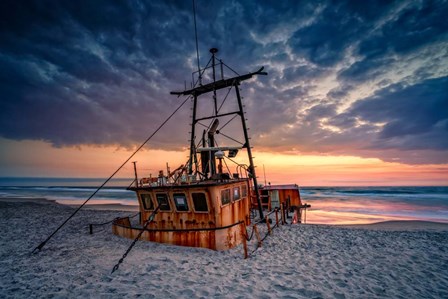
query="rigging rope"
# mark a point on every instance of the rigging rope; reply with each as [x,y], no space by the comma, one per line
[150,219]
[41,245]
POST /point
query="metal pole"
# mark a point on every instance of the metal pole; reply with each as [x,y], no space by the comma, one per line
[135,174]
[222,70]
[197,46]
[213,51]
[167,172]
[264,171]
[249,150]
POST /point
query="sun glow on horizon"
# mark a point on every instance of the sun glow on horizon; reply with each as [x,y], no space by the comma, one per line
[315,170]
[40,159]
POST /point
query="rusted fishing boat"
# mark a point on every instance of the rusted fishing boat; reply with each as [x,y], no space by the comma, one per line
[204,203]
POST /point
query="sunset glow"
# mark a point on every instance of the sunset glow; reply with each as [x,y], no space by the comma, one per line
[306,170]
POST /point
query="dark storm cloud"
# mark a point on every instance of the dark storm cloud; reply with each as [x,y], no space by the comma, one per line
[340,92]
[341,23]
[400,123]
[301,73]
[367,69]
[100,72]
[418,24]
[415,117]
[86,73]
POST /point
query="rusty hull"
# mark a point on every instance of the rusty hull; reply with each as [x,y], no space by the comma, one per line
[205,239]
[219,228]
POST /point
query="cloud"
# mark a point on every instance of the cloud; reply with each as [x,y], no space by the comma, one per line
[326,39]
[415,26]
[344,76]
[399,123]
[71,75]
[415,117]
[405,34]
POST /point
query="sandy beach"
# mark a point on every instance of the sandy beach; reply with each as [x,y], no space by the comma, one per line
[386,260]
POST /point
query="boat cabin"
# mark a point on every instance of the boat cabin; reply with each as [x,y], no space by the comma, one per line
[275,195]
[205,214]
[286,197]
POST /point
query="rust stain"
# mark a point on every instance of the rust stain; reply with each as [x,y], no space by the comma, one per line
[217,216]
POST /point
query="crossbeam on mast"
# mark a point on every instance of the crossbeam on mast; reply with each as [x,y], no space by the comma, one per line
[218,84]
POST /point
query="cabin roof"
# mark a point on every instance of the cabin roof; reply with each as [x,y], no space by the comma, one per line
[202,184]
[281,187]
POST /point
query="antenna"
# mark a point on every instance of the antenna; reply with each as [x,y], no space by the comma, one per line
[264,170]
[197,47]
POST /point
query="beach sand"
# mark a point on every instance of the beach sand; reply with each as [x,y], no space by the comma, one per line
[393,260]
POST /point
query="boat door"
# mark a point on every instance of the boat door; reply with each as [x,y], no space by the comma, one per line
[275,201]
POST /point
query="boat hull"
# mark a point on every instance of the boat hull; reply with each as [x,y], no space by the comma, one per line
[219,238]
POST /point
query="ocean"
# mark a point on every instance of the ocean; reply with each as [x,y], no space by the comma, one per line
[71,191]
[357,205]
[329,205]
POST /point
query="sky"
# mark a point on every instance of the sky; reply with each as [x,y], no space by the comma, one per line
[356,92]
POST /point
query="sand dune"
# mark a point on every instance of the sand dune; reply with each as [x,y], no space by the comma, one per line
[296,261]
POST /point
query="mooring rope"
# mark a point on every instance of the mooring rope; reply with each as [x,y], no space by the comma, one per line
[265,236]
[41,245]
[251,235]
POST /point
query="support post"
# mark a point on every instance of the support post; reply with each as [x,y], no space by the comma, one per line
[305,216]
[257,234]
[276,216]
[282,211]
[268,225]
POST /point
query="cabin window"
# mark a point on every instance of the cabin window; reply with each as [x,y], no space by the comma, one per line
[236,193]
[244,191]
[163,201]
[180,200]
[146,201]
[225,196]
[199,202]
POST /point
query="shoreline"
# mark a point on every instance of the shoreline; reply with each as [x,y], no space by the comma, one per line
[330,205]
[388,225]
[93,206]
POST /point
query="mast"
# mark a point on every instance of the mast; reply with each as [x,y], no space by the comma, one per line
[214,51]
[192,139]
[207,154]
[249,151]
